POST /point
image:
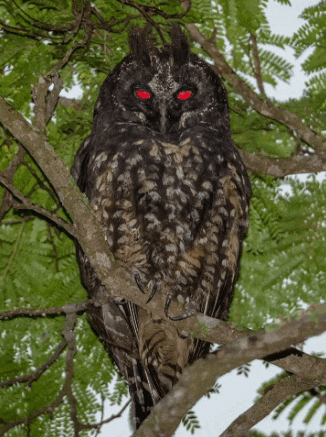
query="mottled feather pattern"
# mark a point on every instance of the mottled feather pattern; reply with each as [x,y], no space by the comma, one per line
[172,193]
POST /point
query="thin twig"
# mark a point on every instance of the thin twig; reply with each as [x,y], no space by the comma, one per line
[9,173]
[38,372]
[43,312]
[68,333]
[257,68]
[103,422]
[26,204]
[41,183]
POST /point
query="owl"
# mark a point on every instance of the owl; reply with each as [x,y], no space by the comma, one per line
[171,191]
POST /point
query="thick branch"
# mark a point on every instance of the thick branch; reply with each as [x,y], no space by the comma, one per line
[201,327]
[280,167]
[274,395]
[45,101]
[198,378]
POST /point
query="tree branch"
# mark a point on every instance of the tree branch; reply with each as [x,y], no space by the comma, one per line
[257,69]
[45,101]
[196,380]
[280,167]
[204,328]
[8,173]
[26,204]
[109,419]
[43,312]
[273,396]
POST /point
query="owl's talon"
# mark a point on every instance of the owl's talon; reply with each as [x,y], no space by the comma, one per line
[175,318]
[138,282]
[154,290]
[182,335]
[120,302]
[180,317]
[167,306]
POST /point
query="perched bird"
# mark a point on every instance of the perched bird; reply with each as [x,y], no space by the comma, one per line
[169,187]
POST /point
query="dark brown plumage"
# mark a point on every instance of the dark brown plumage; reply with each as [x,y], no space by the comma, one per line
[168,185]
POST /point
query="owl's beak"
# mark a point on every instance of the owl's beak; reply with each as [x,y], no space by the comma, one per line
[163,118]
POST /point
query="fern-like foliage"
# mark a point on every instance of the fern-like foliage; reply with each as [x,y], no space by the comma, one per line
[191,422]
[311,35]
[214,390]
[244,370]
[308,403]
[283,264]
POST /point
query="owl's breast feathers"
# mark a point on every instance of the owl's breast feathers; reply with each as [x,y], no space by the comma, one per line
[175,213]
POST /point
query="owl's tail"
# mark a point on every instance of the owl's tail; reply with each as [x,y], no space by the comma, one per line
[162,356]
[143,392]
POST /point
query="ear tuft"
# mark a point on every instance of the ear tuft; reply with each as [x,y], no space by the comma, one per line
[139,44]
[179,45]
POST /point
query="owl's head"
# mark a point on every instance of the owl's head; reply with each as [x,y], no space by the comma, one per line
[166,89]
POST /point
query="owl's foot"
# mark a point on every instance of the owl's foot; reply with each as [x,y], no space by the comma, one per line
[138,282]
[154,290]
[185,315]
[183,335]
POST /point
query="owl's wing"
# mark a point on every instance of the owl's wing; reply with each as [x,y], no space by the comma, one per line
[224,230]
[116,324]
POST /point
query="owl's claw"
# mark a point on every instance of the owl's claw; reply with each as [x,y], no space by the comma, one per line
[167,306]
[183,336]
[138,282]
[175,318]
[154,290]
[120,302]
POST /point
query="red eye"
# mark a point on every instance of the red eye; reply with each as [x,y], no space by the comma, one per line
[184,95]
[143,94]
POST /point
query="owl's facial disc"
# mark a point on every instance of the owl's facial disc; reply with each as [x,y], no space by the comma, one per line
[164,99]
[164,117]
